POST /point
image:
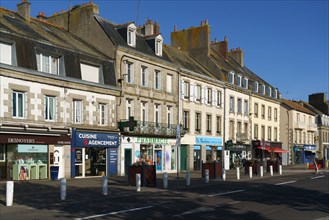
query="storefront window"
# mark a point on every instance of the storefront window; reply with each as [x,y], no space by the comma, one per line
[27,161]
[173,157]
[147,154]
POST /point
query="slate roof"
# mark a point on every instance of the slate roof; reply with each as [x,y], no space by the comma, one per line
[182,59]
[296,106]
[44,31]
[116,32]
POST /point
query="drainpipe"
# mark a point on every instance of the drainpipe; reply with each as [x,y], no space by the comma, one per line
[178,124]
[224,130]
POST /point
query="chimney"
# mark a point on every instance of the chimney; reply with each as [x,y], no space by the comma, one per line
[24,10]
[221,47]
[42,16]
[237,55]
[156,28]
[149,28]
[195,40]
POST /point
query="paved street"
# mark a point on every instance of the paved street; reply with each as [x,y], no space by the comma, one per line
[297,194]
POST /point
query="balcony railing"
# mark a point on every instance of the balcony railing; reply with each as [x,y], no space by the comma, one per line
[149,128]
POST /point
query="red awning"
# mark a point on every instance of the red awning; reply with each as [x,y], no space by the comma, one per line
[274,149]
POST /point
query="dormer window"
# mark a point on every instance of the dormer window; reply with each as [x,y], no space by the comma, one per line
[158,45]
[231,77]
[48,64]
[8,53]
[269,91]
[275,94]
[262,89]
[255,86]
[238,81]
[245,83]
[131,35]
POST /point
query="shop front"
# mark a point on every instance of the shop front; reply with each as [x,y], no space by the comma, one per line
[239,153]
[150,150]
[29,157]
[210,146]
[94,154]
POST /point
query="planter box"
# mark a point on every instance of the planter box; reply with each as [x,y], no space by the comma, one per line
[148,175]
[215,170]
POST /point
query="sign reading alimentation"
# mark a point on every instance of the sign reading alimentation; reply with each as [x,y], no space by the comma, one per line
[92,139]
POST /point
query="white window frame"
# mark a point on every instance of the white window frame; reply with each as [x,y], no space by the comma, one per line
[245,83]
[144,76]
[157,114]
[47,109]
[6,53]
[16,113]
[103,113]
[246,107]
[170,119]
[218,98]
[129,72]
[77,111]
[169,88]
[231,77]
[129,108]
[157,79]
[231,104]
[238,80]
[239,106]
[144,112]
[208,123]
[198,123]
[198,93]
[43,59]
[256,86]
[131,35]
[209,96]
[158,45]
[186,119]
[218,124]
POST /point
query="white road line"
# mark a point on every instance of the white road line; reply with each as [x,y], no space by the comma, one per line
[316,177]
[234,202]
[115,213]
[284,183]
[226,193]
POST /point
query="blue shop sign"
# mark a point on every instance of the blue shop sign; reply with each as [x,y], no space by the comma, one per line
[93,139]
[209,140]
[309,147]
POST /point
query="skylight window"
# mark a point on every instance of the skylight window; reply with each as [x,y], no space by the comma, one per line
[131,35]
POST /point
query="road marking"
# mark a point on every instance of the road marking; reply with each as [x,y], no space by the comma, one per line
[284,183]
[200,209]
[115,213]
[323,218]
[316,177]
[226,193]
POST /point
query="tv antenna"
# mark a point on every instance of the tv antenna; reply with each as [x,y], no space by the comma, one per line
[138,3]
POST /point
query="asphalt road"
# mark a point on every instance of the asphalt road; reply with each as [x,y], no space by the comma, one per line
[298,195]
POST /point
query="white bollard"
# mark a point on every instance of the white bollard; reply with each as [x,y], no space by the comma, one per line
[188,178]
[261,171]
[224,174]
[138,182]
[165,180]
[280,169]
[206,176]
[250,172]
[63,189]
[9,193]
[238,173]
[271,170]
[105,185]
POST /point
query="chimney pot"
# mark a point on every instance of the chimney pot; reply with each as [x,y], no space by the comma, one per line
[175,28]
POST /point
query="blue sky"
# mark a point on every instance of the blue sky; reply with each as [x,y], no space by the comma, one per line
[284,42]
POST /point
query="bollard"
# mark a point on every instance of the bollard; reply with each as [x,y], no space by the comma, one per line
[238,173]
[206,176]
[250,172]
[261,171]
[105,185]
[138,182]
[188,178]
[9,193]
[165,180]
[280,169]
[63,189]
[224,174]
[271,170]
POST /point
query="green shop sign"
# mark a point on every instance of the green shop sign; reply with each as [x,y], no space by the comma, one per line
[145,140]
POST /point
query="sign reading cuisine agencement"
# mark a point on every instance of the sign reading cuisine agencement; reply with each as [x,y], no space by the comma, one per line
[93,139]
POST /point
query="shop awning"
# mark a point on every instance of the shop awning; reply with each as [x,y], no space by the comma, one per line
[274,149]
